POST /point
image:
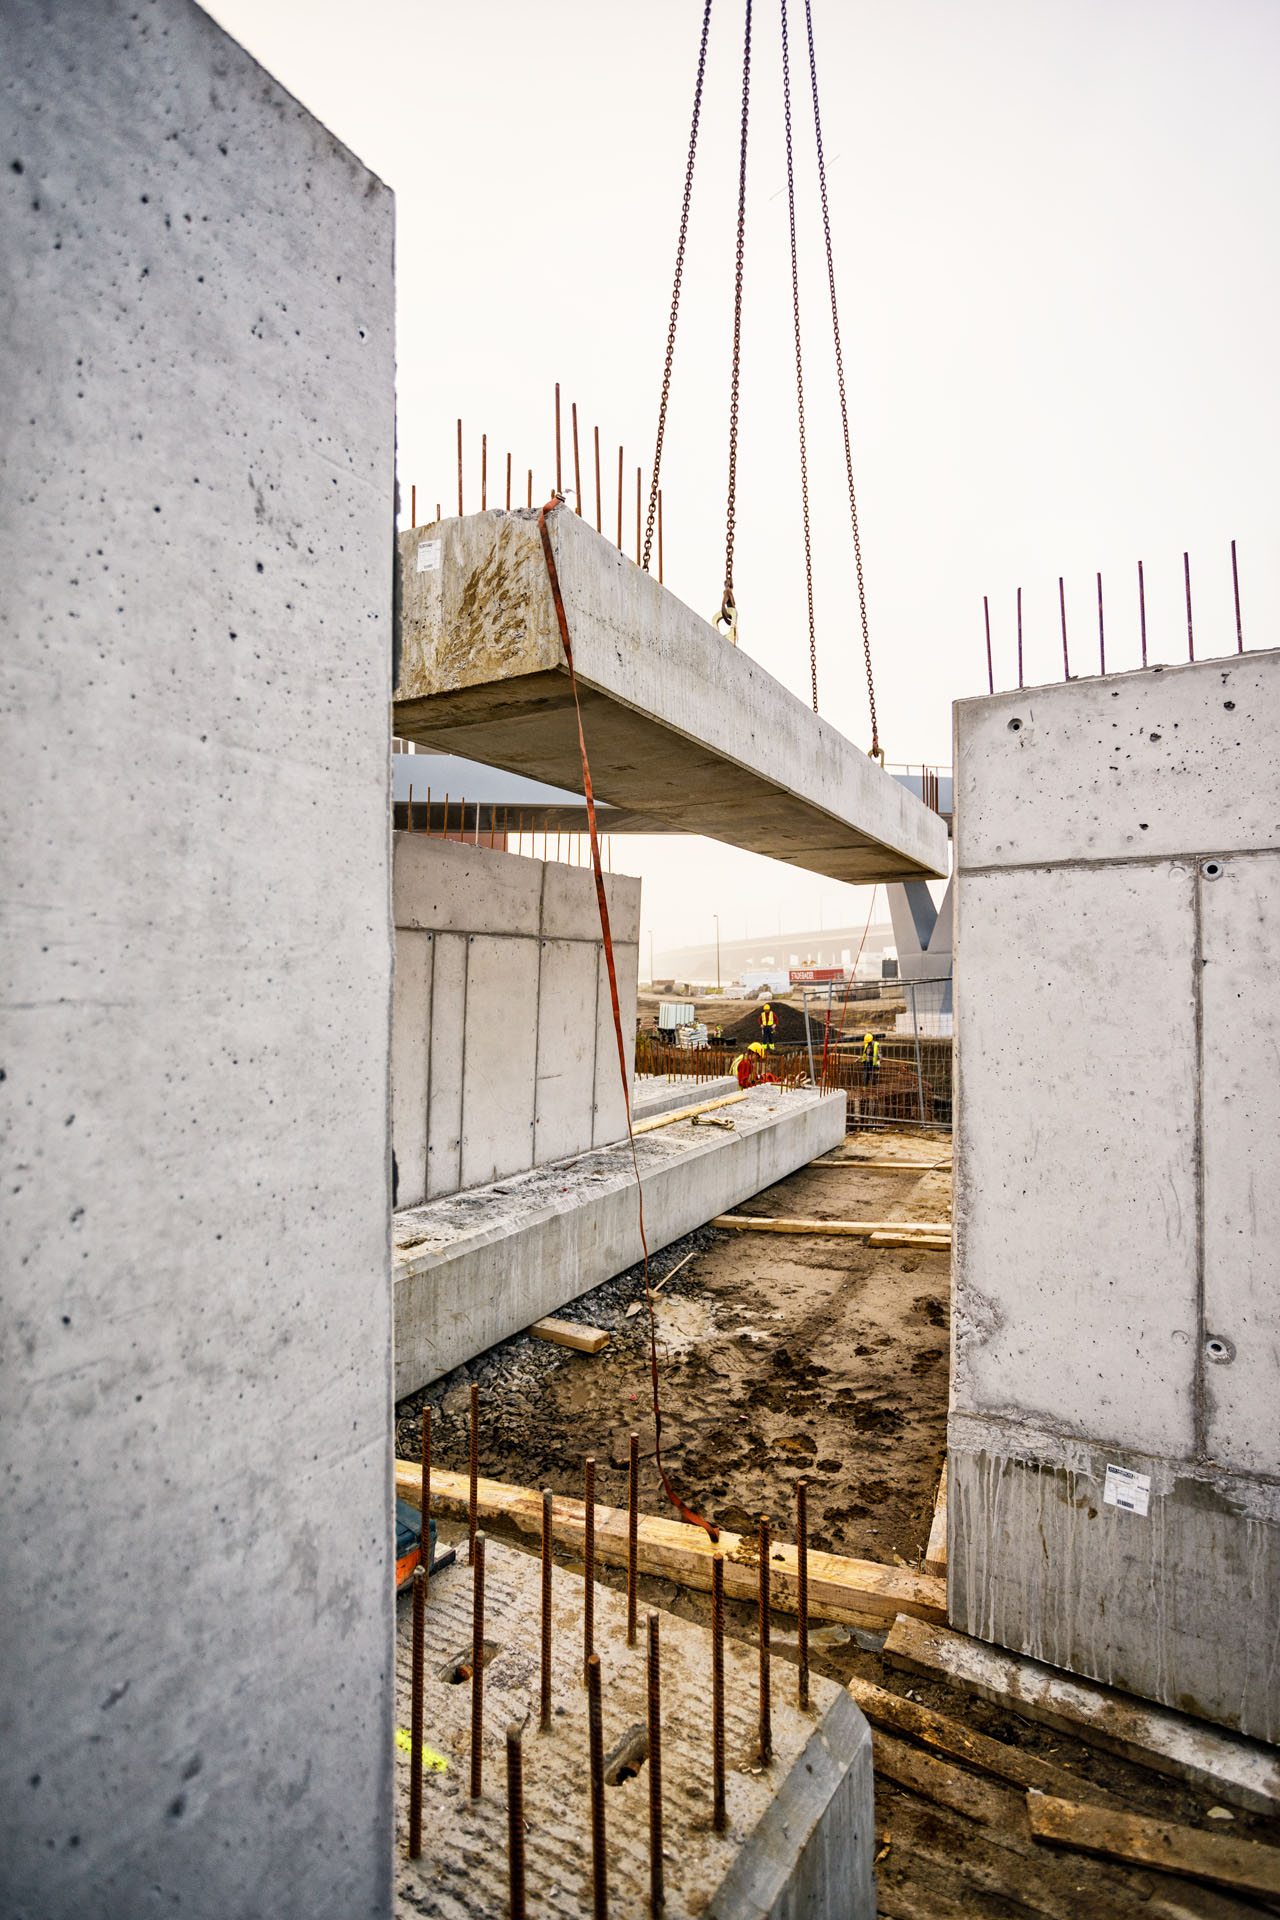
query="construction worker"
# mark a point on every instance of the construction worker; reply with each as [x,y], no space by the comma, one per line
[768,1025]
[747,1065]
[870,1058]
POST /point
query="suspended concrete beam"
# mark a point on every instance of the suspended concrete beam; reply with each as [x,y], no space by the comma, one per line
[681,725]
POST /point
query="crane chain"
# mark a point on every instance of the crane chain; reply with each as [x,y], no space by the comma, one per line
[675,291]
[876,749]
[728,608]
[795,305]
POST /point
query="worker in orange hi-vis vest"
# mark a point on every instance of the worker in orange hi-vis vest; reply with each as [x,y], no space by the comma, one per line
[747,1065]
[768,1024]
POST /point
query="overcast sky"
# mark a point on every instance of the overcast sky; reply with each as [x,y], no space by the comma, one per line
[1058,255]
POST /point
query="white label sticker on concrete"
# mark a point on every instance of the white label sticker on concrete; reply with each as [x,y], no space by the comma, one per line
[1124,1488]
[429,555]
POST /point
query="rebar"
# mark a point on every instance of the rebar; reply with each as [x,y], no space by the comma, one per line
[1142,612]
[530,486]
[766,1717]
[1191,638]
[599,515]
[802,1588]
[515,1820]
[415,1714]
[718,1819]
[413,506]
[1062,609]
[659,536]
[577,470]
[1235,586]
[424,1496]
[619,499]
[477,1665]
[1019,636]
[633,1519]
[475,1432]
[544,1713]
[484,471]
[657,1897]
[1102,633]
[459,469]
[595,1734]
[559,488]
[986,614]
[508,483]
[589,1564]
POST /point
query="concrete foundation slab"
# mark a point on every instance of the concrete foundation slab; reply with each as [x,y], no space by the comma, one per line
[652,1096]
[800,1837]
[680,724]
[1114,1467]
[474,1268]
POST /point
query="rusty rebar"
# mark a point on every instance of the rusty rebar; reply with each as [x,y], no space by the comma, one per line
[424,1496]
[657,1897]
[1062,609]
[515,1820]
[638,515]
[577,470]
[766,1717]
[413,506]
[473,1496]
[633,1527]
[477,1665]
[986,614]
[659,536]
[544,1712]
[1102,633]
[1142,612]
[595,1735]
[599,516]
[589,1558]
[802,1588]
[1235,585]
[484,471]
[1191,638]
[1019,636]
[619,499]
[559,488]
[508,483]
[415,1714]
[459,469]
[717,1692]
[531,486]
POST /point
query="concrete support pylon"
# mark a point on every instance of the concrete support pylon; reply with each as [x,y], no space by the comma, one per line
[922,933]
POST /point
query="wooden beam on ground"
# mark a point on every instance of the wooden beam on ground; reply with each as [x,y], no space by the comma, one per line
[935,1554]
[567,1333]
[858,1593]
[686,1113]
[860,1229]
[1241,1866]
[1245,1773]
[949,1738]
[885,1166]
[931,1242]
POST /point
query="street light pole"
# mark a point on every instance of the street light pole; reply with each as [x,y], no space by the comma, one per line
[716,918]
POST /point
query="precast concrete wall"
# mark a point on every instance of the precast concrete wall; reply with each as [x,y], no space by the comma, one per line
[504,1051]
[195,599]
[1114,1466]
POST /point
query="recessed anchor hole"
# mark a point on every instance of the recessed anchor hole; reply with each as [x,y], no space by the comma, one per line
[624,1761]
[458,1669]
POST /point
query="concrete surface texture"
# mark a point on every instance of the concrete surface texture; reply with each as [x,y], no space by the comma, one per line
[680,724]
[1114,1478]
[653,1094]
[195,581]
[504,1050]
[475,1268]
[800,1837]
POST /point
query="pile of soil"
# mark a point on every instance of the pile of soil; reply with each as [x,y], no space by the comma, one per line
[789,1031]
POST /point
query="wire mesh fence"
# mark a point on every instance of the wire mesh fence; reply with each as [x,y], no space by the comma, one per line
[900,1075]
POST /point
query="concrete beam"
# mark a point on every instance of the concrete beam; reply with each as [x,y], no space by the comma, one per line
[680,724]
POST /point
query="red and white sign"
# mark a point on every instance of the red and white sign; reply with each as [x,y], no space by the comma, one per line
[814,976]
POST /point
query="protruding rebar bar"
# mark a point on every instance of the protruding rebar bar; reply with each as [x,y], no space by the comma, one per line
[473,1495]
[508,483]
[1019,636]
[413,506]
[1102,633]
[484,471]
[766,1715]
[619,499]
[986,615]
[477,1665]
[424,1497]
[657,1896]
[1235,585]
[599,515]
[717,1692]
[1142,612]
[544,1711]
[802,1587]
[659,536]
[459,469]
[515,1820]
[595,1734]
[638,485]
[1191,638]
[633,1523]
[1062,609]
[559,487]
[589,1559]
[531,486]
[577,469]
[439,515]
[415,1714]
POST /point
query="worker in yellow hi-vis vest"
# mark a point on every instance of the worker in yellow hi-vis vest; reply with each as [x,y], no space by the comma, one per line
[870,1058]
[768,1025]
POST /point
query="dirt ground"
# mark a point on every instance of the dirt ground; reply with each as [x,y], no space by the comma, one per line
[782,1355]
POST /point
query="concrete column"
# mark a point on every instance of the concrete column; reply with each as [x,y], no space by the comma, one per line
[195,591]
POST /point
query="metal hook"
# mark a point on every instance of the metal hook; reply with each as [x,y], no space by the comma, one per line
[729,615]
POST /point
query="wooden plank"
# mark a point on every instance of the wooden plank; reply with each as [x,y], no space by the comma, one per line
[935,1554]
[860,1593]
[1241,1866]
[931,1242]
[1244,1773]
[933,1730]
[567,1333]
[886,1166]
[861,1229]
[686,1113]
